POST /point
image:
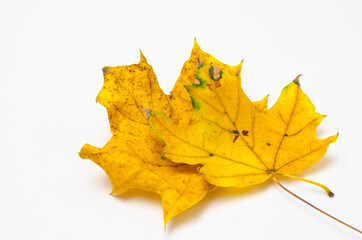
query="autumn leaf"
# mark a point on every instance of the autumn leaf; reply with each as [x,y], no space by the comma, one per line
[132,158]
[206,132]
[239,143]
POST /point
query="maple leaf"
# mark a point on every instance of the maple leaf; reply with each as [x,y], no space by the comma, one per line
[209,123]
[132,158]
[240,143]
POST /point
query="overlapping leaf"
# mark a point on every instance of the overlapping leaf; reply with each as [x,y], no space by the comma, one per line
[210,125]
[240,143]
[132,158]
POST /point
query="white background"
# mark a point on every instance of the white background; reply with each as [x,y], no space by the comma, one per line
[51,56]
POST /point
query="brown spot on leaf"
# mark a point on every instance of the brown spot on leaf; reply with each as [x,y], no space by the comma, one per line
[199,63]
[236,137]
[214,73]
[147,112]
[212,86]
[245,133]
[217,84]
[196,81]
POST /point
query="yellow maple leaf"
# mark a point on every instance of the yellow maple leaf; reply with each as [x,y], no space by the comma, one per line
[240,143]
[132,158]
[209,126]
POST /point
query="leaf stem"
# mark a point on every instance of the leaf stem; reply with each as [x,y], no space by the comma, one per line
[328,191]
[301,199]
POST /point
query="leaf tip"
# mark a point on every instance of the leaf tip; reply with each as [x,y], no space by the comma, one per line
[164,226]
[241,62]
[84,152]
[196,45]
[296,80]
[106,70]
[142,57]
[239,67]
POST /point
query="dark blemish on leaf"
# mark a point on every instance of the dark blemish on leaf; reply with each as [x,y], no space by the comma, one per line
[245,133]
[211,73]
[211,154]
[285,135]
[268,144]
[236,132]
[236,137]
[214,73]
[199,64]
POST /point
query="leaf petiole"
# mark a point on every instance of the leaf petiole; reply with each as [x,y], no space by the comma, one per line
[301,199]
[328,191]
